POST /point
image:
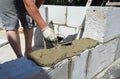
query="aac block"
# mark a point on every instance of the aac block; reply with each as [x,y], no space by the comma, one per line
[101,57]
[75,16]
[3,42]
[60,70]
[57,14]
[112,72]
[79,66]
[102,23]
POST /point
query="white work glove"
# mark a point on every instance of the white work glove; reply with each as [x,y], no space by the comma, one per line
[49,34]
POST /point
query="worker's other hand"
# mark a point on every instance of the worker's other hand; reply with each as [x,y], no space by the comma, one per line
[49,34]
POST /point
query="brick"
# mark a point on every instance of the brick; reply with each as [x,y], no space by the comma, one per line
[102,23]
[101,57]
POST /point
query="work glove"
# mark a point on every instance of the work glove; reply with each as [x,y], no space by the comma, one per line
[49,34]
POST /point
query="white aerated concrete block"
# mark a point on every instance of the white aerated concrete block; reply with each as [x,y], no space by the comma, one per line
[57,14]
[42,11]
[101,57]
[79,66]
[60,70]
[102,23]
[75,16]
[63,30]
[3,42]
[111,72]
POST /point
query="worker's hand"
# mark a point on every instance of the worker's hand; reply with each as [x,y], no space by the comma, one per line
[49,34]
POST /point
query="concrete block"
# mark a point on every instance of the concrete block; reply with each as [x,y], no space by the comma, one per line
[3,42]
[75,16]
[111,72]
[102,23]
[79,66]
[101,57]
[57,14]
[60,70]
[7,54]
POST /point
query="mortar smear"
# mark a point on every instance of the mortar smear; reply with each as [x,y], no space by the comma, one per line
[49,57]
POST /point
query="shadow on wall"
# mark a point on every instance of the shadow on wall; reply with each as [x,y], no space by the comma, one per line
[38,39]
[1,26]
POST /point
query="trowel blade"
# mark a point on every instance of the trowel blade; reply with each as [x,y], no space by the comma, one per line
[49,44]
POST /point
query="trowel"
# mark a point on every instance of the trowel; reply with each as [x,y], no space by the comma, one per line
[60,40]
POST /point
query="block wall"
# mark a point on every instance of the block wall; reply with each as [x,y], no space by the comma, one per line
[101,24]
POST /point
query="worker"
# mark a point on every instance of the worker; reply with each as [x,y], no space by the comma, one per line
[13,11]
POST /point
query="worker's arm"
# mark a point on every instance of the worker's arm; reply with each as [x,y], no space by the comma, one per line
[33,11]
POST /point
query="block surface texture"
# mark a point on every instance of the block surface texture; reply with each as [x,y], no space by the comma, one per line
[112,72]
[102,23]
[101,57]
